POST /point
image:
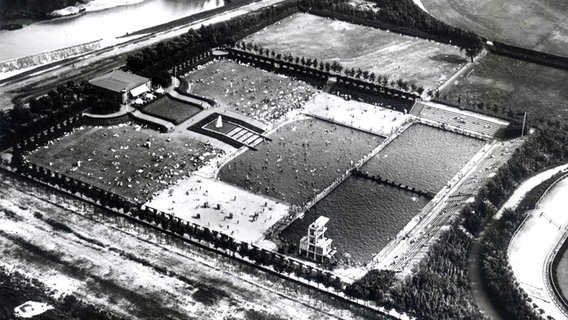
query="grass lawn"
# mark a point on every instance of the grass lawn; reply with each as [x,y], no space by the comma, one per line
[115,158]
[513,85]
[171,110]
[262,95]
[303,158]
[419,61]
[539,25]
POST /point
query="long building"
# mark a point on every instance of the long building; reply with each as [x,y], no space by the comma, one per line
[121,86]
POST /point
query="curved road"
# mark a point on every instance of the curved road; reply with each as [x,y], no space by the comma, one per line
[478,289]
[531,246]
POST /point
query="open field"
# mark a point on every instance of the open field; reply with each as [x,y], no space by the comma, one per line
[364,217]
[418,61]
[188,197]
[171,110]
[259,94]
[513,85]
[539,25]
[136,272]
[423,157]
[303,158]
[116,158]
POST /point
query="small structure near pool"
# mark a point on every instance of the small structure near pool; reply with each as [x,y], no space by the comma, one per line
[315,245]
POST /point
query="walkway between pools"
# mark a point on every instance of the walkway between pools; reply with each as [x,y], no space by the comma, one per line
[354,167]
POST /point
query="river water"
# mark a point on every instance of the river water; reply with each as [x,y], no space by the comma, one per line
[91,26]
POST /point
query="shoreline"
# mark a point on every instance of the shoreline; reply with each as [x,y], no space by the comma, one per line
[26,19]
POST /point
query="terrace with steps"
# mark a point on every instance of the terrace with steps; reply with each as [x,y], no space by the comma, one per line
[453,117]
[241,134]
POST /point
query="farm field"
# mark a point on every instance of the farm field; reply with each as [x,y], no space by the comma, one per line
[418,61]
[539,25]
[502,84]
[303,158]
[253,92]
[171,110]
[137,272]
[116,158]
[364,216]
[423,157]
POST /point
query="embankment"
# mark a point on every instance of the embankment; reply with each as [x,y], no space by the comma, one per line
[48,57]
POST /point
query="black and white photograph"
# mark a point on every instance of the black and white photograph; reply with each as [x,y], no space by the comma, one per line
[283,159]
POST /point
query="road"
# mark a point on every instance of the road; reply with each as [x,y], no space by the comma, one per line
[34,83]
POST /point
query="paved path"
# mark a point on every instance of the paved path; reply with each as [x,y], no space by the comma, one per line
[469,66]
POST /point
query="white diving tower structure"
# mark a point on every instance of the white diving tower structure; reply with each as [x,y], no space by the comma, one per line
[315,245]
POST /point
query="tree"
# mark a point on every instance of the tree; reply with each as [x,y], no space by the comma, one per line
[472,52]
[20,114]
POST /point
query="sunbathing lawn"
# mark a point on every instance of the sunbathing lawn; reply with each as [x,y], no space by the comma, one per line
[115,158]
[253,92]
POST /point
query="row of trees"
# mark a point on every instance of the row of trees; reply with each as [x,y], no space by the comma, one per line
[402,16]
[440,289]
[42,113]
[335,67]
[155,61]
[178,53]
[167,222]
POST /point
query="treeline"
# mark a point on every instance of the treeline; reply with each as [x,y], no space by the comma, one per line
[499,279]
[155,61]
[440,288]
[541,150]
[67,100]
[404,16]
[175,226]
[529,55]
[16,289]
[333,67]
[401,16]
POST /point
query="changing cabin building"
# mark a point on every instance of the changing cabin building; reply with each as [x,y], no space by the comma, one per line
[121,86]
[315,245]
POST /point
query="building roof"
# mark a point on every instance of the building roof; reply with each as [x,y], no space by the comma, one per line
[320,222]
[118,80]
